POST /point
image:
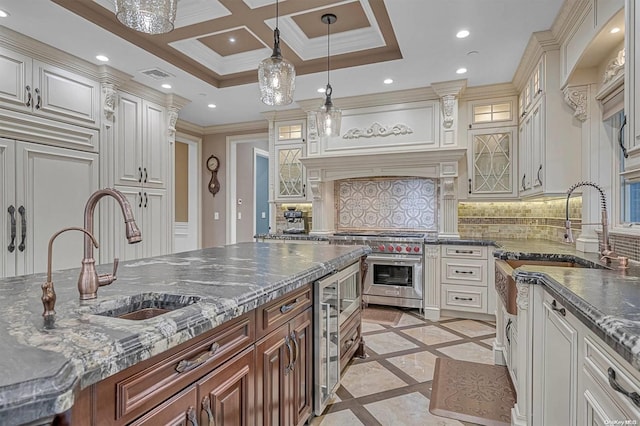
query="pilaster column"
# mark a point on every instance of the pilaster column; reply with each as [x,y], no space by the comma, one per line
[449,200]
[449,92]
[323,206]
[431,291]
[524,351]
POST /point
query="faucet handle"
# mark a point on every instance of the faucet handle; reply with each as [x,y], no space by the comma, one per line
[106,279]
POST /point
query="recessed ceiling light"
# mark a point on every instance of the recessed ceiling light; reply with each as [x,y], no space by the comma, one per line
[322,90]
[461,70]
[388,81]
[462,34]
[614,30]
[3,14]
[166,86]
[211,105]
[102,58]
[232,39]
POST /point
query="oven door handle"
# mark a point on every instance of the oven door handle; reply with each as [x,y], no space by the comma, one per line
[394,261]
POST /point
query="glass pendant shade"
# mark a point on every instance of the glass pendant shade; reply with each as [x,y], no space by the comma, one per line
[277,78]
[147,16]
[328,118]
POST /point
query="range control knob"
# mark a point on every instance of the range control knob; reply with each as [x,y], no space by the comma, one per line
[416,249]
[398,248]
[381,247]
[390,248]
[408,248]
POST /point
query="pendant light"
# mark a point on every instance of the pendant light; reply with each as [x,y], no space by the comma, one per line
[329,117]
[147,16]
[276,75]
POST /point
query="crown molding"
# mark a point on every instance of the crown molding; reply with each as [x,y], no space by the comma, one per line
[489,91]
[539,43]
[284,115]
[375,99]
[569,14]
[249,126]
[453,87]
[187,127]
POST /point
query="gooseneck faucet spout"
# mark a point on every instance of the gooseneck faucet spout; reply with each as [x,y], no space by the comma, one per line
[605,251]
[89,280]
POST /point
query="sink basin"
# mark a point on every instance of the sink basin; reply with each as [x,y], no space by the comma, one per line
[143,306]
[506,285]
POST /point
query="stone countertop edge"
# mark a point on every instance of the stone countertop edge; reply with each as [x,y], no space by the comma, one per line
[86,348]
[291,237]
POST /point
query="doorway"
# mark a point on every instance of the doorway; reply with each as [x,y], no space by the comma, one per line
[261,191]
[186,190]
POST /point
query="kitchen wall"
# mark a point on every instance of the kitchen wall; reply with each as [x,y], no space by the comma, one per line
[181,182]
[528,219]
[387,203]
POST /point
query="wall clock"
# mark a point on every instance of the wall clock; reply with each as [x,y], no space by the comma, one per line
[213,164]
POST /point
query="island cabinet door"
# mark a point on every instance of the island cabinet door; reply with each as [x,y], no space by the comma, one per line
[274,354]
[302,367]
[227,395]
[177,411]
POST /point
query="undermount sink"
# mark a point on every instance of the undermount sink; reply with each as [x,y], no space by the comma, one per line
[143,306]
[506,285]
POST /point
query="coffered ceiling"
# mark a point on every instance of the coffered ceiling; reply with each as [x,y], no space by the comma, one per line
[211,56]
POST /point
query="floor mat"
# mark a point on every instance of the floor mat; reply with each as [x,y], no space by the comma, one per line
[472,392]
[382,316]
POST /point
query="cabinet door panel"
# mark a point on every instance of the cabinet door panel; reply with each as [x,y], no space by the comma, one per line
[53,185]
[302,372]
[128,146]
[7,198]
[65,95]
[273,357]
[155,232]
[227,394]
[177,411]
[155,146]
[15,76]
[124,250]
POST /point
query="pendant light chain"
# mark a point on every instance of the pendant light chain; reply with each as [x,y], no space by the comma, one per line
[328,50]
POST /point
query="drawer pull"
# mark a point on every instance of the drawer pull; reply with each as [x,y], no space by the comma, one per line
[206,416]
[190,364]
[463,272]
[286,308]
[561,311]
[464,251]
[468,299]
[633,396]
[191,417]
[349,343]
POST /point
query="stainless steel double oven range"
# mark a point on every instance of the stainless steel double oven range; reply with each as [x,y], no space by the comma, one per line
[395,274]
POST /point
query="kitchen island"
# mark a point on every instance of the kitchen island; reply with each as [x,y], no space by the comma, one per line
[44,369]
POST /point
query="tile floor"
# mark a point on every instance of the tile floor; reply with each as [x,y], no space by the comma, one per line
[392,385]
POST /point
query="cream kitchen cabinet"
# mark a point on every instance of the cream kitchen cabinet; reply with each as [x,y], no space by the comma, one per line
[45,90]
[549,135]
[289,145]
[42,190]
[492,163]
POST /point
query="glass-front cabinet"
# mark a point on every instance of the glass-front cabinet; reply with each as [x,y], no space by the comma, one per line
[290,177]
[492,157]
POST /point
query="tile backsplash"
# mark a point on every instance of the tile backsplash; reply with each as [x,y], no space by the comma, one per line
[530,219]
[387,203]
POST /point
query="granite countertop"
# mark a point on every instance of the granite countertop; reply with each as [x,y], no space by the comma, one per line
[41,368]
[607,301]
[293,237]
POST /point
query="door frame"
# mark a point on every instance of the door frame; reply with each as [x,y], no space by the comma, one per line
[232,155]
[257,152]
[195,172]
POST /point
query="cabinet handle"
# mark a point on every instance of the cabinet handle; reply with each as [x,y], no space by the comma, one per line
[287,342]
[538,178]
[146,200]
[464,251]
[561,311]
[463,272]
[506,331]
[468,299]
[191,417]
[38,99]
[145,175]
[286,308]
[28,103]
[140,202]
[633,396]
[296,350]
[523,177]
[23,231]
[12,214]
[139,174]
[206,411]
[304,190]
[469,186]
[190,364]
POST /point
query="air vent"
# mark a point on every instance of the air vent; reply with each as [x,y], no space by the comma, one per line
[157,73]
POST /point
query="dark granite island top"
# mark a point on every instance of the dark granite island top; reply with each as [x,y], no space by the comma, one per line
[607,301]
[43,368]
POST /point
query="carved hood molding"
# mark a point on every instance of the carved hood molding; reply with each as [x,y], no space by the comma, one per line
[377,129]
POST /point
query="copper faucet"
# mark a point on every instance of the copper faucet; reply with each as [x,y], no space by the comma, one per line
[48,292]
[606,253]
[89,280]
